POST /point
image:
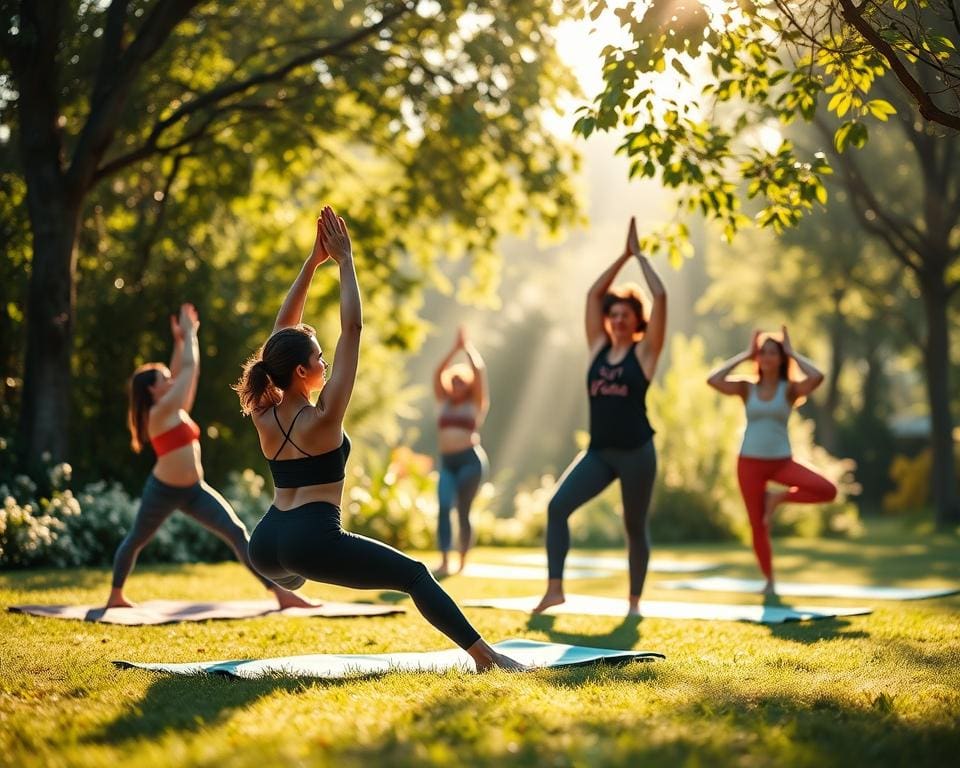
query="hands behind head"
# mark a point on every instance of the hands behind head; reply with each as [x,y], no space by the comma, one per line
[787,346]
[189,319]
[333,236]
[633,240]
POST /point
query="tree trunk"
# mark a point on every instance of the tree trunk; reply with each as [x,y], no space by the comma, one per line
[827,434]
[45,411]
[936,351]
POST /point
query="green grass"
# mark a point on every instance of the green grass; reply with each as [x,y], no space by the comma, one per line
[879,689]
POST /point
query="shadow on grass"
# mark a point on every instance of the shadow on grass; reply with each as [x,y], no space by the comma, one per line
[177,703]
[719,728]
[625,635]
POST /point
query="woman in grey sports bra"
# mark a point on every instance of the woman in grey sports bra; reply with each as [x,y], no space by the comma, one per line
[765,454]
[463,397]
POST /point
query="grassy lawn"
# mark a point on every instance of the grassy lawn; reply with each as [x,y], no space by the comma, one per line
[883,688]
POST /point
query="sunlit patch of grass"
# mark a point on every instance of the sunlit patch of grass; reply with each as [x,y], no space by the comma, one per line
[878,689]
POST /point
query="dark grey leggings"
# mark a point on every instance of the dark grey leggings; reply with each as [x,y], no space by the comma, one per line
[307,542]
[460,476]
[589,474]
[199,501]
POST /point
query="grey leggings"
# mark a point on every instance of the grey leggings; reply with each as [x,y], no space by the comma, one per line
[590,473]
[460,476]
[199,501]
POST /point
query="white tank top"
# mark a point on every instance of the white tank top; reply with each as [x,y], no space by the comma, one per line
[765,436]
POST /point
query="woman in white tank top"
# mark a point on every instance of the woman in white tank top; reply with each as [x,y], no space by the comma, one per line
[765,454]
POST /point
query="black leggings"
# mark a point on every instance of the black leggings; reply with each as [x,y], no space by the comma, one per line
[308,542]
[593,471]
[199,501]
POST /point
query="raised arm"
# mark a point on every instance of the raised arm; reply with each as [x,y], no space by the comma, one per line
[596,333]
[481,389]
[184,389]
[336,394]
[176,362]
[291,311]
[657,322]
[438,389]
[720,379]
[814,377]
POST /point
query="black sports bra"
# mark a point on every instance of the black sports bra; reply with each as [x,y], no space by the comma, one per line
[322,468]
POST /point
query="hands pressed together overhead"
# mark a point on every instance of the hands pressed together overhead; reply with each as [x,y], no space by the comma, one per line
[333,239]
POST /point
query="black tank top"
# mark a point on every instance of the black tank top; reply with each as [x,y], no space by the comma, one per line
[618,408]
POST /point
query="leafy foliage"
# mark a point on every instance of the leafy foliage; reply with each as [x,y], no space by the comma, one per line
[694,84]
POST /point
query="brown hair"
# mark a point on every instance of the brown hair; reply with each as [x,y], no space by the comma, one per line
[788,366]
[269,370]
[140,401]
[630,295]
[464,371]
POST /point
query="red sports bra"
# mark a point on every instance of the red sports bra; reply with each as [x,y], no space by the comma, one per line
[183,434]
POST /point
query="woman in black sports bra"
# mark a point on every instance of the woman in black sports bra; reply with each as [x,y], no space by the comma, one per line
[624,349]
[301,537]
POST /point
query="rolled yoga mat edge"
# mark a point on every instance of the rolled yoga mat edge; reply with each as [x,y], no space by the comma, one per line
[157,612]
[796,589]
[586,605]
[536,654]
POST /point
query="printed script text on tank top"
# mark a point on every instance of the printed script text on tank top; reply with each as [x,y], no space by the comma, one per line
[609,383]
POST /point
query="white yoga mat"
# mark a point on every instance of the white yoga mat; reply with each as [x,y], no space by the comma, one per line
[793,589]
[333,666]
[585,605]
[528,573]
[606,562]
[173,611]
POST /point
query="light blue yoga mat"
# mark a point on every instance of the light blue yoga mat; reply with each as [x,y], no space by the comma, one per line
[332,666]
[585,605]
[793,589]
[611,563]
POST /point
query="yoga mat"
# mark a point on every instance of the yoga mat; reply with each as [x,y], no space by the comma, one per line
[527,573]
[173,611]
[660,609]
[333,666]
[609,563]
[789,589]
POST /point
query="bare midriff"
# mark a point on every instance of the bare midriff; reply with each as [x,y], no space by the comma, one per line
[456,439]
[181,466]
[291,498]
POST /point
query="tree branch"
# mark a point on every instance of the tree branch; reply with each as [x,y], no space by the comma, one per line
[214,97]
[101,124]
[928,108]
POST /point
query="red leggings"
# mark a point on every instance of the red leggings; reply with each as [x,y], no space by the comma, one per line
[805,487]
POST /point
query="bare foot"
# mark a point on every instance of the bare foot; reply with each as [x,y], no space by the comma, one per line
[117,600]
[553,596]
[442,571]
[288,599]
[771,500]
[769,589]
[634,609]
[463,562]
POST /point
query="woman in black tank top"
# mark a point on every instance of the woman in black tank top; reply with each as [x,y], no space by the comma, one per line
[300,537]
[624,348]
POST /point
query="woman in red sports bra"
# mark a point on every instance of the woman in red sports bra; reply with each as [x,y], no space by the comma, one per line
[160,401]
[463,396]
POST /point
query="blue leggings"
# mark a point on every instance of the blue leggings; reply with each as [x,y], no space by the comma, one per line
[460,476]
[590,473]
[201,502]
